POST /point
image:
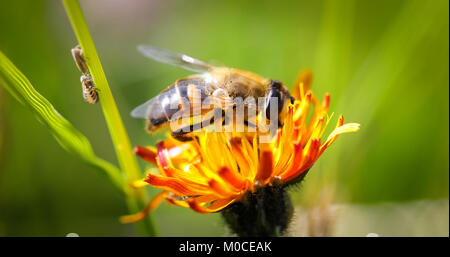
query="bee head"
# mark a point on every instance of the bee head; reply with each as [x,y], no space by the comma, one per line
[277,97]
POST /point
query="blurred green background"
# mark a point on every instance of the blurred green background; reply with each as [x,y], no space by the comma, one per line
[385,64]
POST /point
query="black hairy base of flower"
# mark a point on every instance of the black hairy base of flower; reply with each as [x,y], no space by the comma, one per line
[266,212]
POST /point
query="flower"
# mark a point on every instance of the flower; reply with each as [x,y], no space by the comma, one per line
[219,169]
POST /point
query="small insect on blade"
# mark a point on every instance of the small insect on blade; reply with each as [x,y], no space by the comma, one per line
[77,54]
[90,94]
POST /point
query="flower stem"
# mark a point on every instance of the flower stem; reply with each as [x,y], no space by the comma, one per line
[136,198]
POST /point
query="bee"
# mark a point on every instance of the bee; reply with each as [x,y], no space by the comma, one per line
[90,94]
[80,62]
[221,84]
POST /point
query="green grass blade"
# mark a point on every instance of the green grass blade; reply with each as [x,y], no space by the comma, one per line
[67,136]
[137,198]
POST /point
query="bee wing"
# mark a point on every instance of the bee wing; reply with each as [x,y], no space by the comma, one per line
[175,59]
[141,111]
[182,96]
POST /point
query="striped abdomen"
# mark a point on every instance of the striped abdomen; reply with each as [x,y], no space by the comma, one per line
[179,100]
[90,95]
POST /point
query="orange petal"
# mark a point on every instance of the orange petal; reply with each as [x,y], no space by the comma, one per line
[238,154]
[326,102]
[139,183]
[317,128]
[162,155]
[147,154]
[301,112]
[305,77]
[214,207]
[296,162]
[340,121]
[311,155]
[251,156]
[265,167]
[232,178]
[177,203]
[346,128]
[175,185]
[152,205]
[307,160]
[201,200]
[219,188]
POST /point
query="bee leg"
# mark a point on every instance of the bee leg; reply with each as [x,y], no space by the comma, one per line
[246,123]
[226,118]
[182,134]
[249,124]
[225,122]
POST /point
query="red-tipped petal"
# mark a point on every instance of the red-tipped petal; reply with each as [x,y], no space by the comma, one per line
[162,154]
[326,101]
[296,162]
[341,120]
[146,154]
[265,168]
[175,185]
[219,188]
[232,178]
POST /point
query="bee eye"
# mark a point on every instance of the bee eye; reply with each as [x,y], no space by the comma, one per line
[275,84]
[292,99]
[270,98]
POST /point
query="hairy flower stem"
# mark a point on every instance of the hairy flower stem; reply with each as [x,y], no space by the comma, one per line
[136,199]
